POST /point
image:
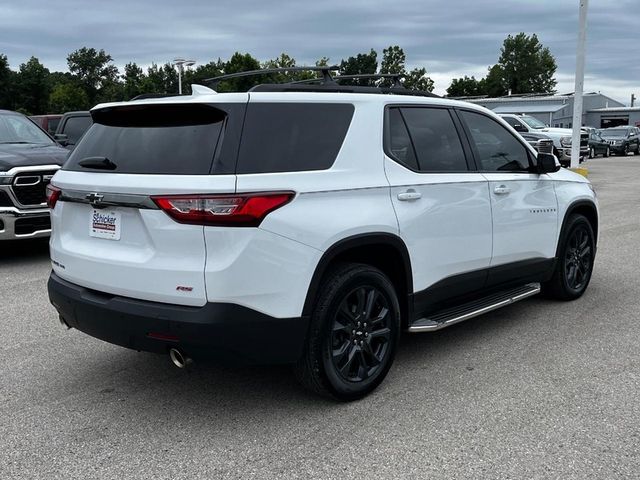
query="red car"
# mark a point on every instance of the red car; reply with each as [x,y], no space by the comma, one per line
[48,123]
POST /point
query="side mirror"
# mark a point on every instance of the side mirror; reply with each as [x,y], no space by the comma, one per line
[62,139]
[547,163]
[519,128]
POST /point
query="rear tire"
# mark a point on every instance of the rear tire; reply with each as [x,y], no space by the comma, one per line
[574,264]
[637,150]
[592,153]
[354,333]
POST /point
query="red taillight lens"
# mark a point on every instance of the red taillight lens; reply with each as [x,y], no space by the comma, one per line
[53,194]
[241,210]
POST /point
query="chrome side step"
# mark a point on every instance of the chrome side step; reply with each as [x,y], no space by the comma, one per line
[451,316]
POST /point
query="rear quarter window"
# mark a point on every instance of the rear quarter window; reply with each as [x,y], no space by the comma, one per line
[292,137]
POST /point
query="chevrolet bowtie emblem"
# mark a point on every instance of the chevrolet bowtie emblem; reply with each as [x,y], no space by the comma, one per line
[94,198]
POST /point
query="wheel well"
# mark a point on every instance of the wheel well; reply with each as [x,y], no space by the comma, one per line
[390,257]
[589,212]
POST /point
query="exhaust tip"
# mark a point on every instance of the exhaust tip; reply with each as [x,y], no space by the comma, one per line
[179,359]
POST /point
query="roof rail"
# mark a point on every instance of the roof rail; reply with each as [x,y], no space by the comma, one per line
[146,96]
[325,70]
[336,88]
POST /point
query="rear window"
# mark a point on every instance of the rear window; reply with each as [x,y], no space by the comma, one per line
[292,137]
[152,139]
[75,127]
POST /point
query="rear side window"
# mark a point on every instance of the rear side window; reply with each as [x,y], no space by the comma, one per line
[152,139]
[292,137]
[497,149]
[75,127]
[433,136]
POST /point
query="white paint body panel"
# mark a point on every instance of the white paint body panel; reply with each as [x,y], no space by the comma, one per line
[448,231]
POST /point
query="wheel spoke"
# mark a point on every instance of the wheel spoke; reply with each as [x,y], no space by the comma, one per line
[372,296]
[346,368]
[363,368]
[339,353]
[369,351]
[585,251]
[346,312]
[381,333]
[361,295]
[381,316]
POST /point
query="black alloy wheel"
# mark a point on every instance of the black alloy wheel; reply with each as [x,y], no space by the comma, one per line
[575,258]
[578,258]
[361,334]
[353,333]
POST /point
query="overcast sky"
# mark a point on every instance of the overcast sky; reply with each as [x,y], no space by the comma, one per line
[449,38]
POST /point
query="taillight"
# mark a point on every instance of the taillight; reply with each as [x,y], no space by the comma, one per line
[236,210]
[53,194]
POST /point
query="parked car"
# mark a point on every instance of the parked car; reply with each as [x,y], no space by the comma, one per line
[28,160]
[48,123]
[539,141]
[598,145]
[72,127]
[623,139]
[561,136]
[307,225]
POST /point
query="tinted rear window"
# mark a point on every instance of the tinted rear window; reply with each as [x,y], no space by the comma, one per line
[75,127]
[152,139]
[290,137]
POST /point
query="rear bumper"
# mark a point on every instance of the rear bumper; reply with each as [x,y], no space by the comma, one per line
[17,224]
[220,331]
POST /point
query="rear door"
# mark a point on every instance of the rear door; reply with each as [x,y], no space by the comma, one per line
[108,233]
[524,205]
[442,204]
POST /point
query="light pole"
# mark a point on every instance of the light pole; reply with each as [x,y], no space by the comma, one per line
[579,88]
[181,63]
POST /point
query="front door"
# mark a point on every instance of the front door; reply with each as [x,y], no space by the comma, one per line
[524,205]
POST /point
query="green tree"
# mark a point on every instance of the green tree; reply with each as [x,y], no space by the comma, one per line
[6,83]
[94,70]
[417,79]
[393,60]
[160,79]
[526,65]
[201,73]
[466,87]
[494,83]
[241,62]
[32,87]
[133,78]
[67,97]
[361,64]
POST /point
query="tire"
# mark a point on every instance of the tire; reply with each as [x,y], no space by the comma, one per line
[626,150]
[637,150]
[607,152]
[574,265]
[345,356]
[592,153]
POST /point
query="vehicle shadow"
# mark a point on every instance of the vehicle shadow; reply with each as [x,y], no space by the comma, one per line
[19,251]
[152,384]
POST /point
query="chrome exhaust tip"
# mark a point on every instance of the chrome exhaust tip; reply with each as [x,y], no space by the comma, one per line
[179,359]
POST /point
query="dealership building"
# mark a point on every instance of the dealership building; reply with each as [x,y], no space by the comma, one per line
[599,110]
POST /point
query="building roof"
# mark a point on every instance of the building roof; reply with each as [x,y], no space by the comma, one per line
[528,108]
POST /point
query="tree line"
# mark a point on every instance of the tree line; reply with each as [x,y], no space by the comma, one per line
[524,66]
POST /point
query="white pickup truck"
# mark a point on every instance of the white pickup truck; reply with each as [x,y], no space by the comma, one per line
[561,136]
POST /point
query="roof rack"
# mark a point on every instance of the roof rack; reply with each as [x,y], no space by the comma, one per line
[365,76]
[325,70]
[145,96]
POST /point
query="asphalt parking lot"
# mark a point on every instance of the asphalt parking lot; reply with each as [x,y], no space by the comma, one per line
[537,390]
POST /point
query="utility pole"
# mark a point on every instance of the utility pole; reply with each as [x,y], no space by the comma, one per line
[579,88]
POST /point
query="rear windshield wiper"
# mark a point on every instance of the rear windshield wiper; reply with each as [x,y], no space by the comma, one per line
[8,143]
[99,163]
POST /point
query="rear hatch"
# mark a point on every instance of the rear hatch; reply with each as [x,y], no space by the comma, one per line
[109,234]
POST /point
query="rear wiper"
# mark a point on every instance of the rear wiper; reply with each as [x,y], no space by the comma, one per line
[100,163]
[7,143]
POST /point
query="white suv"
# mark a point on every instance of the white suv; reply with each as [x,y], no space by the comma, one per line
[307,225]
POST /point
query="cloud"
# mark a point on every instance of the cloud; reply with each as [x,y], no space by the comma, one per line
[450,39]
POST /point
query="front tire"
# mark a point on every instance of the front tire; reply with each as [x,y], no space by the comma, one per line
[574,264]
[607,152]
[592,153]
[354,333]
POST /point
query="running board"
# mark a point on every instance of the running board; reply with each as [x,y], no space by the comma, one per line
[451,316]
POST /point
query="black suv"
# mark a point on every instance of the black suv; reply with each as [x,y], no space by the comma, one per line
[623,139]
[72,127]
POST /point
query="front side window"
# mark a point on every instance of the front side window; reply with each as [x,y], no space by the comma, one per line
[497,149]
[433,136]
